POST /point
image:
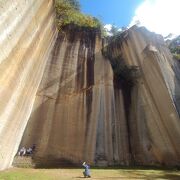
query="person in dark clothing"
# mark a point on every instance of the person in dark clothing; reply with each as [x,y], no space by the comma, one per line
[86,173]
[33,147]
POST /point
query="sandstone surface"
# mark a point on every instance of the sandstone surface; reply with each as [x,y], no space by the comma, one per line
[153,120]
[27,34]
[60,92]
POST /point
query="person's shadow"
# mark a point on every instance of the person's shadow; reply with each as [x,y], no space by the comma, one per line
[79,177]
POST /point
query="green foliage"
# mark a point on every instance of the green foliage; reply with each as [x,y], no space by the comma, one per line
[176,56]
[125,73]
[122,71]
[75,4]
[175,50]
[174,47]
[68,12]
[114,30]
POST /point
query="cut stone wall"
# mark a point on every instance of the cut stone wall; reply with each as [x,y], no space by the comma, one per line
[27,32]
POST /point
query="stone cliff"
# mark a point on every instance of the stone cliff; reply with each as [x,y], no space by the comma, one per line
[152,117]
[76,100]
[59,91]
[27,34]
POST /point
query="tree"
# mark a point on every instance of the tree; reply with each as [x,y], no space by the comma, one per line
[114,30]
[68,12]
[75,4]
[174,47]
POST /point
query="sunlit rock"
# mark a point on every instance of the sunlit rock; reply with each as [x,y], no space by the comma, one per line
[27,34]
[81,99]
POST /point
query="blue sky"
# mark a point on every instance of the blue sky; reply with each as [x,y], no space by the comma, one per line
[117,12]
[160,16]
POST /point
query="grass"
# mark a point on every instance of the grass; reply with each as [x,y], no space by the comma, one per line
[97,174]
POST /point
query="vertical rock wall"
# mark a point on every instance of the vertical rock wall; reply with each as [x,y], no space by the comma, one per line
[62,91]
[153,122]
[82,112]
[74,117]
[27,33]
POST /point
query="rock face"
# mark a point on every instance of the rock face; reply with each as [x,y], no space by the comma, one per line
[27,34]
[74,109]
[152,118]
[60,92]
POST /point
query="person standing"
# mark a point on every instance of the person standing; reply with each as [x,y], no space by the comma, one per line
[86,173]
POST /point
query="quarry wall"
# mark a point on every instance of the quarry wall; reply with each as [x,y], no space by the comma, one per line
[60,92]
[27,32]
[153,119]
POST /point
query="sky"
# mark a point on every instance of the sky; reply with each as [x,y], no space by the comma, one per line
[118,12]
[160,16]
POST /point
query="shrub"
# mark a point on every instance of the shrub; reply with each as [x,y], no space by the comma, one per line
[174,47]
[176,56]
[68,12]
